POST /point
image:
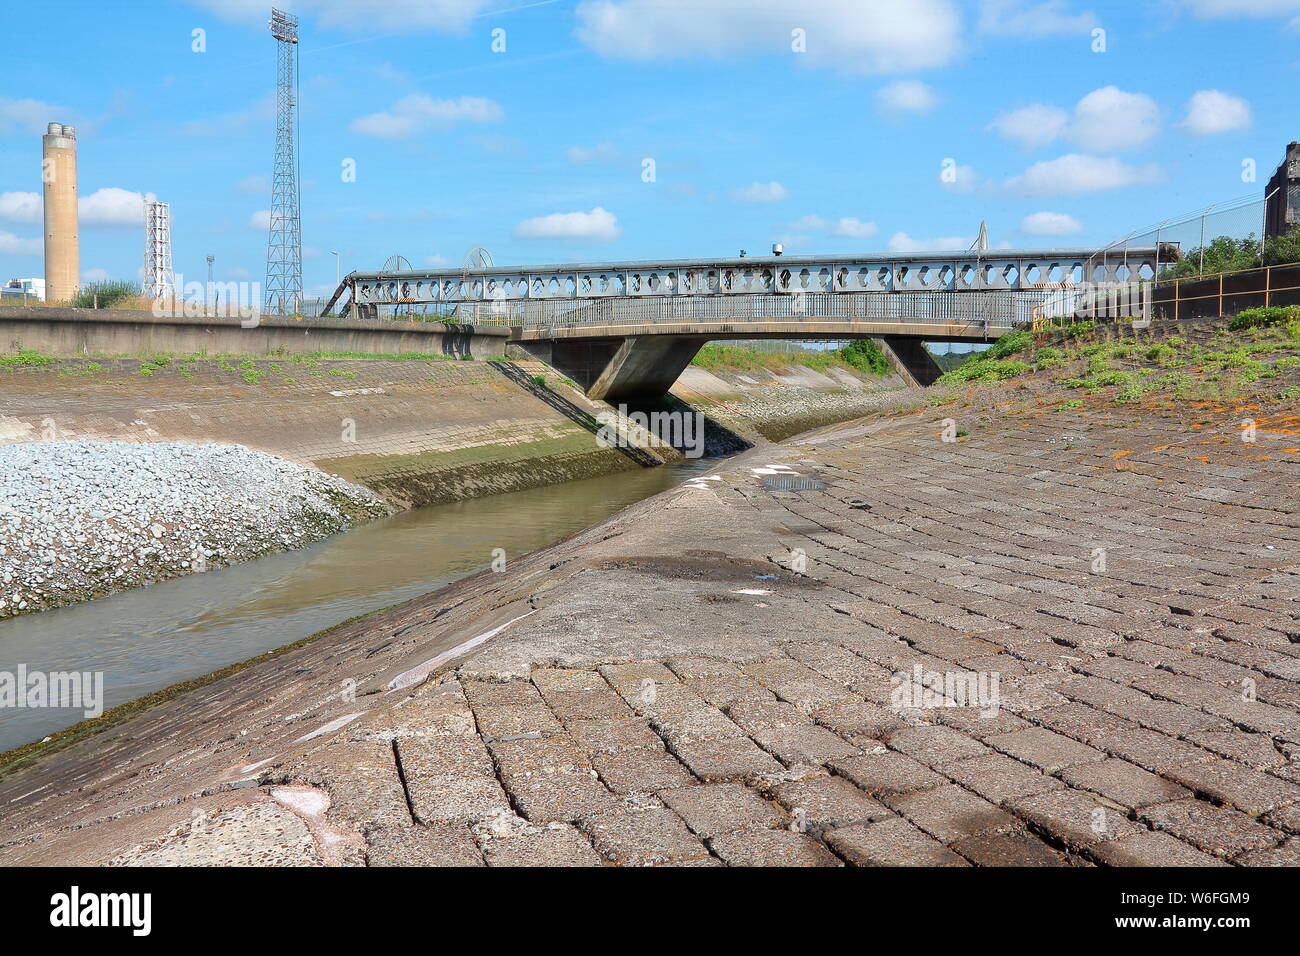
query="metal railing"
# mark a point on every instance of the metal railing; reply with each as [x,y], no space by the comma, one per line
[1227,293]
[984,310]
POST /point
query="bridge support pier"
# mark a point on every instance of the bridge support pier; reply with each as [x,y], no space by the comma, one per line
[911,360]
[636,366]
[645,366]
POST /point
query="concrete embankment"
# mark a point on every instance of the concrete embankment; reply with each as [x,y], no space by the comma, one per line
[711,676]
[745,670]
[417,431]
[60,331]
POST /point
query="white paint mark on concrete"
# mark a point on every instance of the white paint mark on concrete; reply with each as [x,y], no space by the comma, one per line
[751,591]
[420,672]
[307,801]
[332,726]
[250,767]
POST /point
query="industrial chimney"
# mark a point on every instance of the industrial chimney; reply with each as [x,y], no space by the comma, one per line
[62,247]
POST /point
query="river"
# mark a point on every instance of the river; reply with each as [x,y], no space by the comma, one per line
[150,638]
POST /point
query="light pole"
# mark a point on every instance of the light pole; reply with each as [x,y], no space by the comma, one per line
[336,267]
[207,293]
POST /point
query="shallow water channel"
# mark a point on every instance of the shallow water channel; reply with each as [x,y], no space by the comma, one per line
[150,638]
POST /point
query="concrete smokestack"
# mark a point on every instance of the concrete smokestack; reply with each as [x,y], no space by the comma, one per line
[62,242]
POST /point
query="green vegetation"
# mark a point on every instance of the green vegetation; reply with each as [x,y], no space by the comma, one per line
[862,354]
[105,295]
[993,364]
[1226,254]
[865,356]
[26,358]
[1262,318]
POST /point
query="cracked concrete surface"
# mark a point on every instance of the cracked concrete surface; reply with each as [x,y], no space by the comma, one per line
[709,677]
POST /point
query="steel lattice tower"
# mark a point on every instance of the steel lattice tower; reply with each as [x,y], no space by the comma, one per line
[284,245]
[159,280]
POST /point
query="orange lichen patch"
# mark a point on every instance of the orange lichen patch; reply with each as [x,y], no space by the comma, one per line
[1246,408]
[1291,451]
[1121,454]
[1160,448]
[1204,458]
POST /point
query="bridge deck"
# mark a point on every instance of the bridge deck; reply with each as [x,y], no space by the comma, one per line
[930,272]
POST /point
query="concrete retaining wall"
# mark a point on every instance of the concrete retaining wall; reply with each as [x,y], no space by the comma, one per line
[54,331]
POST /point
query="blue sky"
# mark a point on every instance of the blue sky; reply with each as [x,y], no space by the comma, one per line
[825,125]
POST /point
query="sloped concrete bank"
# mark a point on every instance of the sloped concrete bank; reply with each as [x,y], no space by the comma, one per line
[414,431]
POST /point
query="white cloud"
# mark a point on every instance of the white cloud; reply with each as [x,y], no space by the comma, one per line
[1020,18]
[1031,126]
[1210,111]
[1110,118]
[810,224]
[850,228]
[443,16]
[96,275]
[761,192]
[11,245]
[1050,224]
[260,220]
[20,207]
[598,224]
[112,206]
[860,36]
[415,113]
[32,116]
[958,179]
[600,153]
[1214,9]
[254,184]
[846,227]
[902,242]
[436,261]
[1106,119]
[109,206]
[906,96]
[1074,173]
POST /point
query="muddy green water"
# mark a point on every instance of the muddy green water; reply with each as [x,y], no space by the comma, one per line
[150,638]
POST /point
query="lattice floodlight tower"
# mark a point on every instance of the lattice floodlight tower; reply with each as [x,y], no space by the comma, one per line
[284,245]
[159,280]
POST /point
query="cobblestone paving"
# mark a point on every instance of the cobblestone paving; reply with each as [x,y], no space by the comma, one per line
[709,679]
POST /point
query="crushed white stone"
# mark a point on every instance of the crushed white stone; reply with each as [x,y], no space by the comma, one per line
[83,518]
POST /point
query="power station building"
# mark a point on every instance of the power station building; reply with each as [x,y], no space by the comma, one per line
[62,242]
[1282,214]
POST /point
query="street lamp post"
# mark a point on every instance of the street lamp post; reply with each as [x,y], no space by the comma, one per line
[207,293]
[336,267]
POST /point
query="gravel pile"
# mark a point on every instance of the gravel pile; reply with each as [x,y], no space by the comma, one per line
[80,519]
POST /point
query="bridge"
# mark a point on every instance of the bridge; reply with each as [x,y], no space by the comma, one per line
[628,329]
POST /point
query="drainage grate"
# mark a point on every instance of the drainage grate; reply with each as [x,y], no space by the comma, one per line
[793,483]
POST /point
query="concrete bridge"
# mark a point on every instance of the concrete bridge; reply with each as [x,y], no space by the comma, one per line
[628,329]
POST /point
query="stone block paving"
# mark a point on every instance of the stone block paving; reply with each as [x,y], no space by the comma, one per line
[1147,708]
[1124,736]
